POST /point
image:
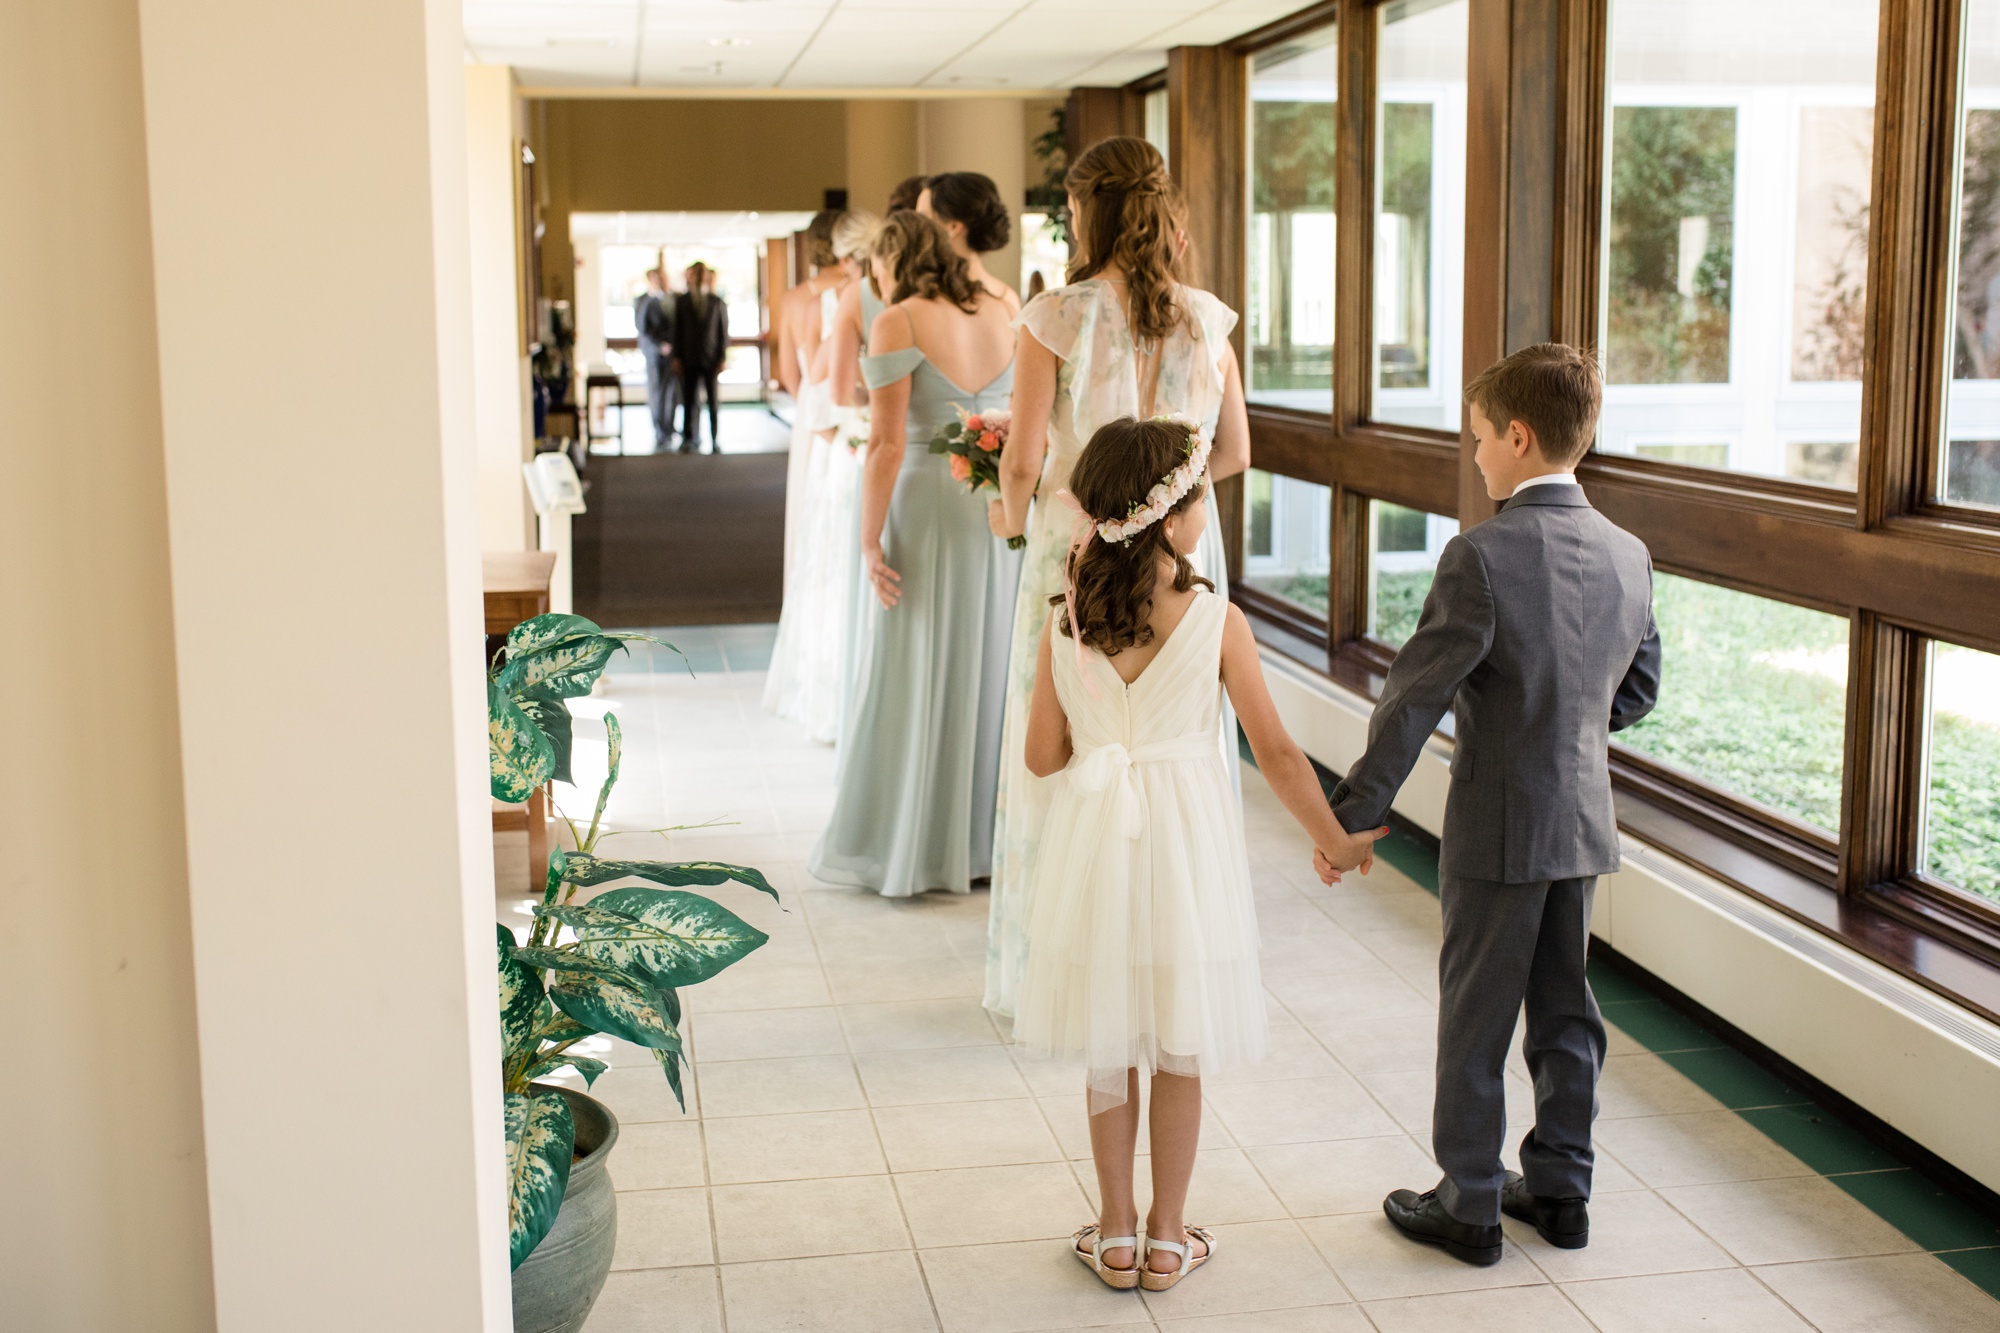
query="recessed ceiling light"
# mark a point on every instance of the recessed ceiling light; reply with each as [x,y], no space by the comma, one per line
[729,41]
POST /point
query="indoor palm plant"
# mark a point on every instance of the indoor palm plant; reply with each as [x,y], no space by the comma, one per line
[612,965]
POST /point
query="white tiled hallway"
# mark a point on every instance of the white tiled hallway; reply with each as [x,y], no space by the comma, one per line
[862,1151]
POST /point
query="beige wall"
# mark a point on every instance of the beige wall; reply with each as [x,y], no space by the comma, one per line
[981,134]
[323,526]
[503,415]
[105,1228]
[881,150]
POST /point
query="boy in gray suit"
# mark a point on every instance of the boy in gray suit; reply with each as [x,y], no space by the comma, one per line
[1538,633]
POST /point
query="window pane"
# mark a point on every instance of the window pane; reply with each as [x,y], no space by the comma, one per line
[1156,124]
[1961,843]
[1292,124]
[1736,233]
[1287,537]
[1753,697]
[1970,461]
[1420,212]
[1403,550]
[1044,252]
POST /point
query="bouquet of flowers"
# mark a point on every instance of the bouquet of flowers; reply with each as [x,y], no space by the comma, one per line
[974,443]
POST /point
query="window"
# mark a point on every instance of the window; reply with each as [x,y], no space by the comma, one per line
[1403,550]
[1969,464]
[1043,252]
[1736,234]
[1293,119]
[1753,697]
[1157,133]
[1961,842]
[1287,537]
[1419,212]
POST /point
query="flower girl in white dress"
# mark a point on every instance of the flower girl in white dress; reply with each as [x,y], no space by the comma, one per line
[1141,932]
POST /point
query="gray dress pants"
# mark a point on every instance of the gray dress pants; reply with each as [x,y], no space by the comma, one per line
[1506,945]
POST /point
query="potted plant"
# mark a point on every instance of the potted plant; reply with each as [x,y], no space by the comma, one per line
[613,965]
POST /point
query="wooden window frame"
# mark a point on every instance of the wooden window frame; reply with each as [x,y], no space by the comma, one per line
[1901,566]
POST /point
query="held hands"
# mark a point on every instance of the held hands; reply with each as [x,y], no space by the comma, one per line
[884,580]
[1356,849]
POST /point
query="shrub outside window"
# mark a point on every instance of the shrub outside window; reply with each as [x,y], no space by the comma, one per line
[1287,537]
[1736,234]
[1403,550]
[1293,122]
[1753,697]
[1961,842]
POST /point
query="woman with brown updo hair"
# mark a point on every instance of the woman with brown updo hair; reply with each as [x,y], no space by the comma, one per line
[969,207]
[1127,337]
[920,735]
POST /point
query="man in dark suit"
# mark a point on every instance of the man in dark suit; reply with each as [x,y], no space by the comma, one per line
[1538,633]
[655,321]
[701,342]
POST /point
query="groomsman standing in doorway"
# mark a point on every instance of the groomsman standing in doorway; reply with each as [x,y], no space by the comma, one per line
[654,317]
[701,341]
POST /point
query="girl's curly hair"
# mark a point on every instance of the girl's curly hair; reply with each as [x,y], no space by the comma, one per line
[1114,581]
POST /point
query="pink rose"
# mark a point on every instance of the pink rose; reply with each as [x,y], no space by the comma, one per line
[974,423]
[990,442]
[961,467]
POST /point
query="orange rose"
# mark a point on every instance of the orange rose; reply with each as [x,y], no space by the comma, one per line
[961,467]
[974,423]
[990,442]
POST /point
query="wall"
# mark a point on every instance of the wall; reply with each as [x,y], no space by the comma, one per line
[106,1223]
[882,149]
[322,521]
[981,134]
[503,415]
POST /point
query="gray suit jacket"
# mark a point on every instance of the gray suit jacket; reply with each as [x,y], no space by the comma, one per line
[1539,632]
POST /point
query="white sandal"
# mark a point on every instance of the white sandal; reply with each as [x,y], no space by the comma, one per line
[1119,1279]
[1161,1281]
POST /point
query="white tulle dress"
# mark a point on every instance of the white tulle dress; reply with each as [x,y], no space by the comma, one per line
[1141,933]
[807,678]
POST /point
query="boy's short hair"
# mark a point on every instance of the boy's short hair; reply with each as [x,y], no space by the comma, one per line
[1554,388]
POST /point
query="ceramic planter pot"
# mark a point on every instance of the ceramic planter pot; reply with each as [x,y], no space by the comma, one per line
[556,1285]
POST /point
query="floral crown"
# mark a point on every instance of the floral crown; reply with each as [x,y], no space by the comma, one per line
[1170,489]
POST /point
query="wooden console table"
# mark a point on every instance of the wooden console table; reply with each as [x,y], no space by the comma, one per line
[517,589]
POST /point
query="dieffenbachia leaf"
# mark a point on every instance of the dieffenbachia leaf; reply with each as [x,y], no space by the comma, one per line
[520,997]
[676,938]
[583,1065]
[562,671]
[558,872]
[670,1063]
[569,961]
[614,739]
[635,1013]
[552,716]
[591,870]
[517,751]
[539,632]
[541,1136]
[561,1027]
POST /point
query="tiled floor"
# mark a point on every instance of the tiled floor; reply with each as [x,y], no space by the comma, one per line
[863,1151]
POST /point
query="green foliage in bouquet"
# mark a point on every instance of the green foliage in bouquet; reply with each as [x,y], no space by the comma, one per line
[630,950]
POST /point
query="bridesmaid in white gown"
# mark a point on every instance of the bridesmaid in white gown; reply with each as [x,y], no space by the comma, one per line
[807,677]
[1127,337]
[799,323]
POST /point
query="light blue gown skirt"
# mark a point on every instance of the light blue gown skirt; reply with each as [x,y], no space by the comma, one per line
[919,762]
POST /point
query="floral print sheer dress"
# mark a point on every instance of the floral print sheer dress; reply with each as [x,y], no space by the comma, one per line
[1099,381]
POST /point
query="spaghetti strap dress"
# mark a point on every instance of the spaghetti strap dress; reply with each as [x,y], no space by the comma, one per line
[919,757]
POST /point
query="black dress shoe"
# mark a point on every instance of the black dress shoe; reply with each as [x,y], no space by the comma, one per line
[1564,1223]
[1422,1217]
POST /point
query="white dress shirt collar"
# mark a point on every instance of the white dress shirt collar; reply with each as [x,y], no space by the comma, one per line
[1547,479]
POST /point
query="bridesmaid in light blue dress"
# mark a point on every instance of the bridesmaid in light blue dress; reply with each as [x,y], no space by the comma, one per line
[920,736]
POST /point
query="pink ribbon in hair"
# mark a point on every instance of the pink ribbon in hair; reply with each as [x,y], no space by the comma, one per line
[1079,537]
